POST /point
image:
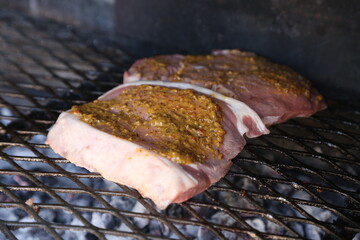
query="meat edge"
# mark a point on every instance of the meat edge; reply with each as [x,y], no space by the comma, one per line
[313,105]
[108,155]
[65,135]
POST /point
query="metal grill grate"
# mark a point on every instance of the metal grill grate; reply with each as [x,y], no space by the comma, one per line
[301,181]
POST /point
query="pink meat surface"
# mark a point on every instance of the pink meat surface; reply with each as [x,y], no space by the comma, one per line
[135,165]
[277,93]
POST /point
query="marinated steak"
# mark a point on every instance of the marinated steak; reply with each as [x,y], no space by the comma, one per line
[275,92]
[169,141]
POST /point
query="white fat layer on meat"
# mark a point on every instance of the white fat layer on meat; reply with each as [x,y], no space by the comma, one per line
[132,77]
[119,160]
[238,108]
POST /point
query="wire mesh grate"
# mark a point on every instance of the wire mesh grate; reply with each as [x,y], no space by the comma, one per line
[301,181]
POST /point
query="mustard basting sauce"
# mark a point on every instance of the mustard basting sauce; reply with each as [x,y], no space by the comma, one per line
[179,124]
[224,70]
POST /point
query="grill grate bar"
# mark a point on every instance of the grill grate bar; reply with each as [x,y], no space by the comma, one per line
[345,152]
[48,190]
[204,222]
[31,212]
[321,175]
[81,56]
[312,194]
[60,200]
[259,207]
[270,215]
[49,70]
[302,179]
[74,228]
[50,52]
[298,201]
[5,230]
[307,169]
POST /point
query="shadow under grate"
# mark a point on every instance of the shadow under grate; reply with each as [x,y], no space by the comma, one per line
[301,181]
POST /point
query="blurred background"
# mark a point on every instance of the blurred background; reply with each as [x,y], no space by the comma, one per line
[320,39]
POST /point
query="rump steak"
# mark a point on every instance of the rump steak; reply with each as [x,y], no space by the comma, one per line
[277,93]
[168,140]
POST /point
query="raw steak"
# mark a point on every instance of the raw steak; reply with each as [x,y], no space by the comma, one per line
[275,92]
[138,164]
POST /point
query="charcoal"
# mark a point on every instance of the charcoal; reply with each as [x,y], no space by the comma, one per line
[118,70]
[75,235]
[19,213]
[274,228]
[19,151]
[4,138]
[205,234]
[156,229]
[48,215]
[63,218]
[57,105]
[5,198]
[2,236]
[124,228]
[191,230]
[298,228]
[103,220]
[175,210]
[313,232]
[87,86]
[223,219]
[19,125]
[141,222]
[165,230]
[256,223]
[122,203]
[90,236]
[5,112]
[107,78]
[230,235]
[357,236]
[36,234]
[39,114]
[72,96]
[8,215]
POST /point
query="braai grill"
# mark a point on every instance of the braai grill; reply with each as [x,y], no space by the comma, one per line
[301,181]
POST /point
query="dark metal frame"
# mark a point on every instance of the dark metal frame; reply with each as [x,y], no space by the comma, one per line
[46,67]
